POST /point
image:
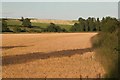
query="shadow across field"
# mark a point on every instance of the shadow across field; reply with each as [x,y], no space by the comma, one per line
[19,59]
[10,47]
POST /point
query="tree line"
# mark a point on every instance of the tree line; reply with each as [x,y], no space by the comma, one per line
[83,25]
[92,24]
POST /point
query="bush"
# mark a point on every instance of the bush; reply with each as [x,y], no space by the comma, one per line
[34,30]
[5,27]
[23,30]
[64,30]
[106,47]
[16,29]
[26,22]
[53,28]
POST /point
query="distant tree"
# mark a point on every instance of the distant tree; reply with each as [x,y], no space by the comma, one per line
[93,19]
[4,26]
[75,27]
[98,25]
[53,28]
[64,30]
[26,22]
[22,18]
[87,26]
[80,19]
[98,20]
[91,24]
[58,29]
[109,24]
[82,25]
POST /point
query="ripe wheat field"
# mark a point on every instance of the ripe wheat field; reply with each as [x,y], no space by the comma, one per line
[49,55]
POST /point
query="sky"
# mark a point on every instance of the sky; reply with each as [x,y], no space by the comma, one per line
[119,10]
[59,10]
[60,0]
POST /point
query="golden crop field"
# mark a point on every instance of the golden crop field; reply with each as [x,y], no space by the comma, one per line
[64,22]
[49,55]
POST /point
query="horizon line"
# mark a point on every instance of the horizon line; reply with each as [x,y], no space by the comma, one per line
[58,19]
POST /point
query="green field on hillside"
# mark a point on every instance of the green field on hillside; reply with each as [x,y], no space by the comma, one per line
[13,23]
[44,25]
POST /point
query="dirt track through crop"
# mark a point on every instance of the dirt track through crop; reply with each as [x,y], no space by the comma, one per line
[51,55]
[17,59]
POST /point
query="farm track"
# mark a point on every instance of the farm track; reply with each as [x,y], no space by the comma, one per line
[50,55]
[18,59]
